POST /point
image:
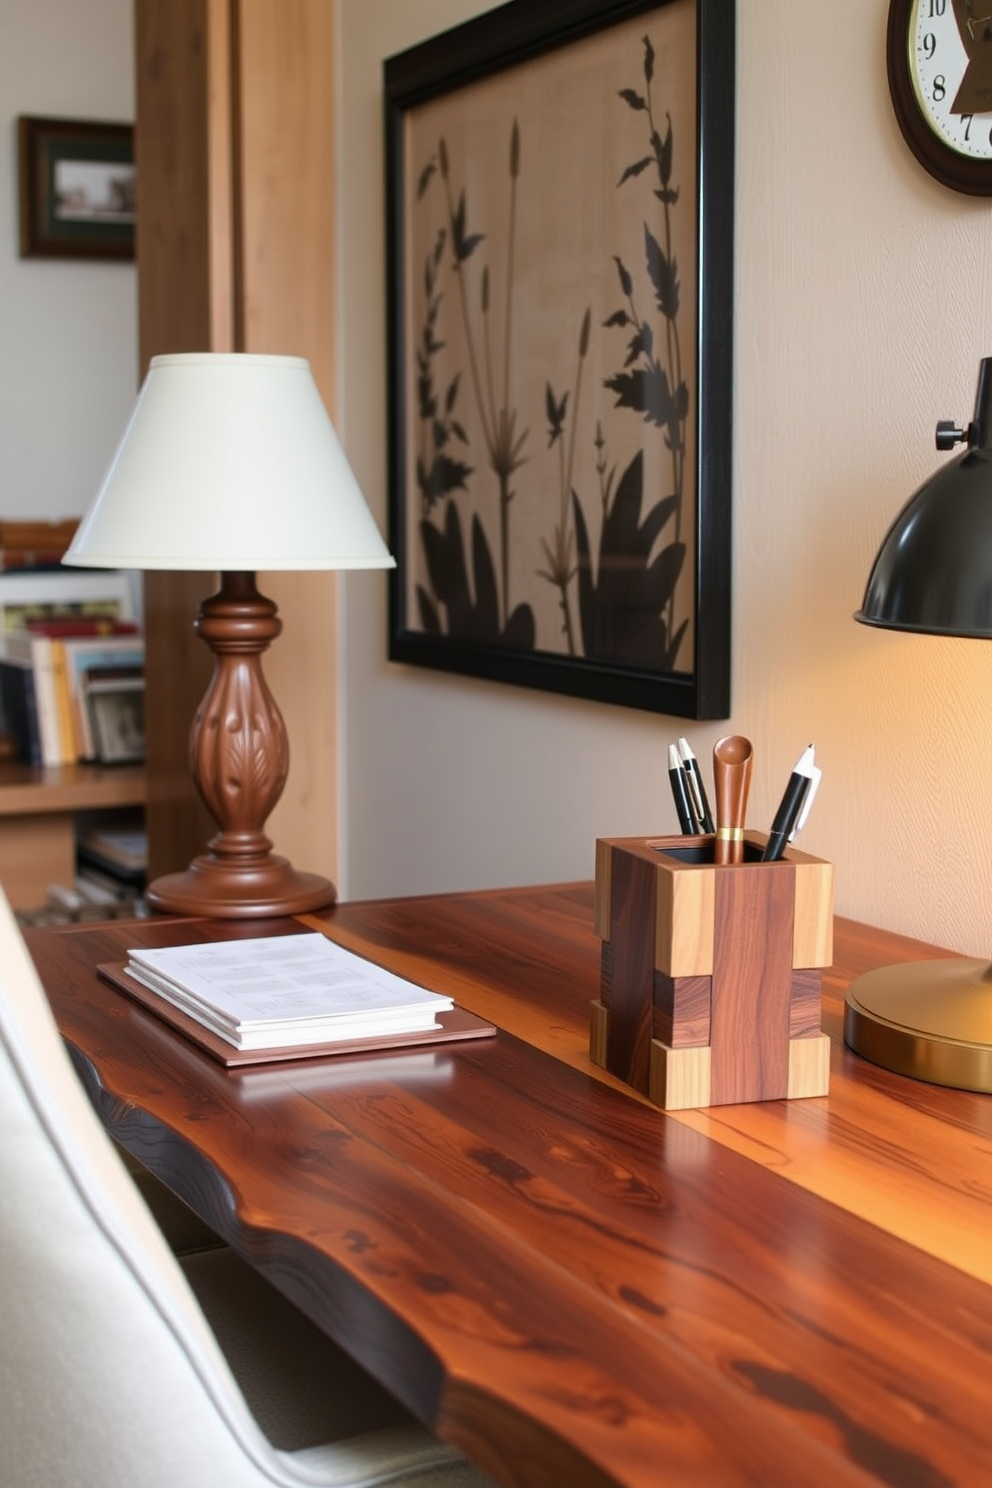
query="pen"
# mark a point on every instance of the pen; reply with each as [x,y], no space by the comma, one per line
[680,791]
[697,791]
[800,787]
[732,760]
[811,790]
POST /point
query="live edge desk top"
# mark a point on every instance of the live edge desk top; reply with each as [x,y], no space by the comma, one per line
[570,1285]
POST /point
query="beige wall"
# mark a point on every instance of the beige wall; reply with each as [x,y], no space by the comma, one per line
[863,306]
[68,329]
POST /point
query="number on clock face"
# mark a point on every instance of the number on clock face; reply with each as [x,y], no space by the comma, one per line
[950,61]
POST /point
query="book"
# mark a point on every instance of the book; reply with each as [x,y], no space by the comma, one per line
[285,991]
[118,845]
[17,560]
[86,658]
[20,709]
[34,532]
[37,652]
[27,594]
[100,888]
[62,665]
[68,741]
[116,850]
[32,544]
[92,624]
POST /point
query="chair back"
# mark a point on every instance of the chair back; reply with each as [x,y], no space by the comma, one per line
[109,1374]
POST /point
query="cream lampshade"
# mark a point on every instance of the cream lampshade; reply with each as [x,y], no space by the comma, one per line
[230,464]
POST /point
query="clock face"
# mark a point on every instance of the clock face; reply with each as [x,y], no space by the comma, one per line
[939,58]
[950,63]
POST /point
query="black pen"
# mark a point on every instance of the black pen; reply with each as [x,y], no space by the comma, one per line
[697,791]
[681,792]
[787,816]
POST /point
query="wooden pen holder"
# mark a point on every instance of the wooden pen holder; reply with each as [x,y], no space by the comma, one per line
[710,980]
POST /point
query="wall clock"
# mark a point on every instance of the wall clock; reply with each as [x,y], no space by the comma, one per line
[939,58]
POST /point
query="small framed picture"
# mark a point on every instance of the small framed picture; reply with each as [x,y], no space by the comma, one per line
[77,188]
[117,720]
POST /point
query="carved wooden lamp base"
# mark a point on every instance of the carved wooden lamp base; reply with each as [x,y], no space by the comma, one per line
[268,890]
[239,759]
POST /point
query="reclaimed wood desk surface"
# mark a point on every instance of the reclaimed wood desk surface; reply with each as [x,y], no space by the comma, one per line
[570,1285]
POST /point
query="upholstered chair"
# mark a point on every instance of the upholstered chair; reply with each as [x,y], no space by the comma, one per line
[110,1375]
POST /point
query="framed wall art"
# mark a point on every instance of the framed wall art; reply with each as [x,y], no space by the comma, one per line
[77,188]
[560,292]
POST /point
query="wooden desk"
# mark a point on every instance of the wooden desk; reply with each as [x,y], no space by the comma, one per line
[572,1286]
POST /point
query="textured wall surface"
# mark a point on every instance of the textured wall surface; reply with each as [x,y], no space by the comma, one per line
[68,328]
[863,307]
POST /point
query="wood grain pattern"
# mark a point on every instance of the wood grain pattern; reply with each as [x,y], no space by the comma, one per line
[38,823]
[235,126]
[809,1065]
[185,303]
[814,918]
[752,981]
[26,791]
[724,944]
[682,1010]
[680,1078]
[603,889]
[804,1003]
[631,962]
[684,929]
[286,302]
[573,1286]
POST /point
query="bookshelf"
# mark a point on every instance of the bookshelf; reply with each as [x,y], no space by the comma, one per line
[38,811]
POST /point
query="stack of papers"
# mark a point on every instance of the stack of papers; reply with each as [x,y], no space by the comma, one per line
[287,990]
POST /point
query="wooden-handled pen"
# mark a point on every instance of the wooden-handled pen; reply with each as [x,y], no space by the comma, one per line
[732,758]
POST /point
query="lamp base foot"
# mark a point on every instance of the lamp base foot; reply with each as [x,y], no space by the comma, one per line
[267,887]
[931,1020]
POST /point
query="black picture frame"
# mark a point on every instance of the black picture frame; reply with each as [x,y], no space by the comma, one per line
[651,611]
[76,188]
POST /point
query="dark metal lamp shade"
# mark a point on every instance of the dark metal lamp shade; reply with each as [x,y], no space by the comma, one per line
[933,573]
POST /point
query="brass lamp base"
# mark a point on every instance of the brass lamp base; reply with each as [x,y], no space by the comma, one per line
[268,890]
[931,1020]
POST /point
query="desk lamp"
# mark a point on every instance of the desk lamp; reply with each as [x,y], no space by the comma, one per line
[933,573]
[230,464]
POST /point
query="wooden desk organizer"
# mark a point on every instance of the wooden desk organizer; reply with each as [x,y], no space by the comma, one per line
[710,981]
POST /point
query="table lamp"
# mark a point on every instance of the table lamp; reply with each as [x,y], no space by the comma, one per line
[933,573]
[230,464]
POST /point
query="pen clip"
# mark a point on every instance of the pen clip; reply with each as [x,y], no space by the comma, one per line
[816,775]
[695,801]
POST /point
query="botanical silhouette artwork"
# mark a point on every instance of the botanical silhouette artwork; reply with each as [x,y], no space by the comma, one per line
[549,294]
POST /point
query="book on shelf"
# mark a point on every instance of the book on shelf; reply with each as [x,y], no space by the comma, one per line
[36,653]
[70,593]
[63,626]
[114,848]
[99,662]
[29,544]
[36,604]
[61,665]
[19,709]
[102,888]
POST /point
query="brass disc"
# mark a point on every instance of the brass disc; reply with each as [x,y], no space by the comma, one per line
[931,1020]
